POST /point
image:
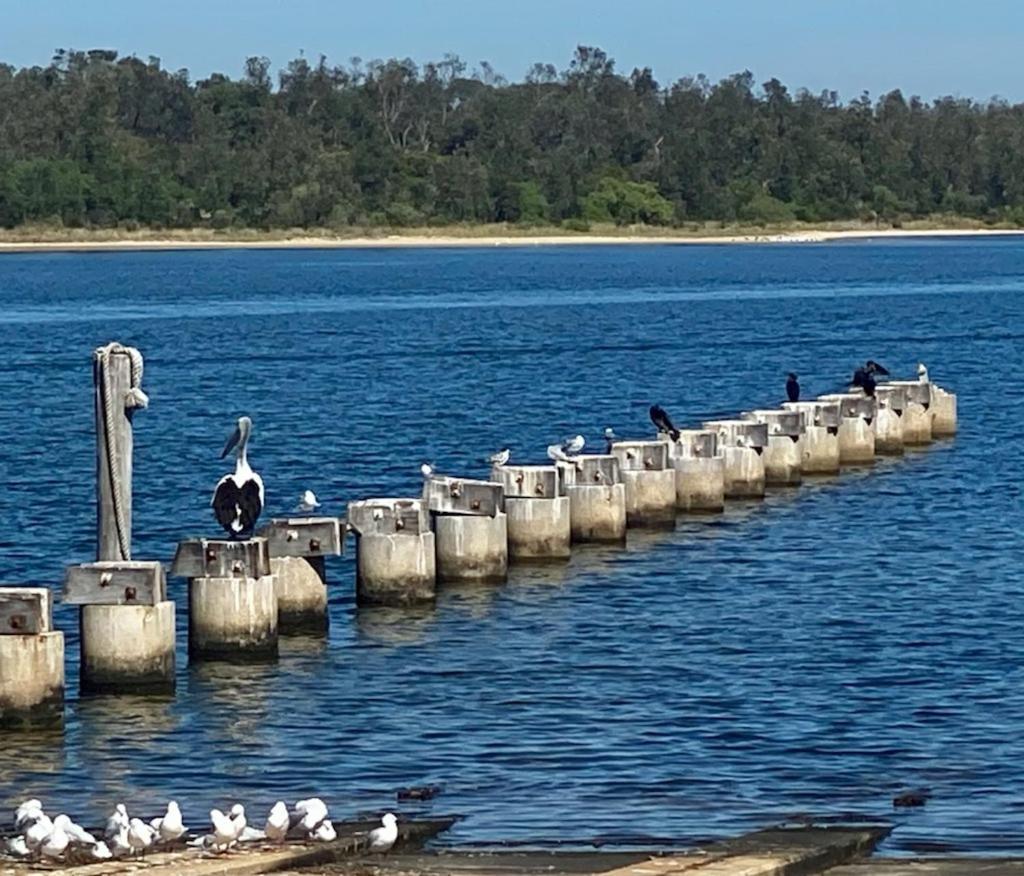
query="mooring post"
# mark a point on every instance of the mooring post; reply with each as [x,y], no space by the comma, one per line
[649,483]
[597,498]
[470,529]
[857,427]
[821,420]
[917,416]
[943,412]
[539,525]
[126,621]
[783,457]
[31,659]
[742,444]
[700,470]
[395,562]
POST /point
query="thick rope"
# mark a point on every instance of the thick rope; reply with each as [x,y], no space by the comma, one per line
[135,398]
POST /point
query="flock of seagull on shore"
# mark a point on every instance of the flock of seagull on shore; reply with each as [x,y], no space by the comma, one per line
[39,837]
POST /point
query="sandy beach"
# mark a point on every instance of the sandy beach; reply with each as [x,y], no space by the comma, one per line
[226,241]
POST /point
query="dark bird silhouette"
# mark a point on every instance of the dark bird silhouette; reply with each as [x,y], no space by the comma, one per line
[238,499]
[863,378]
[872,367]
[662,422]
[916,797]
[793,388]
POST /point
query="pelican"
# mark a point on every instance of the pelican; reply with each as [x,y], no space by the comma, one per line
[662,422]
[574,445]
[922,373]
[238,499]
[382,838]
[792,387]
[307,503]
[500,458]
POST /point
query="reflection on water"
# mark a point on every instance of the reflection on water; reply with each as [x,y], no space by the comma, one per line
[816,652]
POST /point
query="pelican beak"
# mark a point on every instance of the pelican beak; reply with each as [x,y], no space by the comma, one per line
[236,436]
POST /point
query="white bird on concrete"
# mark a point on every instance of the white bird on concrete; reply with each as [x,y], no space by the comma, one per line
[427,470]
[307,503]
[140,835]
[574,445]
[223,830]
[382,838]
[922,373]
[26,813]
[556,453]
[118,820]
[278,822]
[17,847]
[100,852]
[76,833]
[237,814]
[250,834]
[325,832]
[312,812]
[169,826]
[609,438]
[500,458]
[118,843]
[54,844]
[38,831]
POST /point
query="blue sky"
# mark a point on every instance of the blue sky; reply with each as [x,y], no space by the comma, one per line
[928,48]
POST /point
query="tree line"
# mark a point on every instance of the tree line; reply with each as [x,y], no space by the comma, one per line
[94,140]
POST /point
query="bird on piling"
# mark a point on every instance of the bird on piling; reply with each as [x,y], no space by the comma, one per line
[609,439]
[792,387]
[574,445]
[427,470]
[500,458]
[662,422]
[238,499]
[864,377]
[307,502]
[381,839]
[922,373]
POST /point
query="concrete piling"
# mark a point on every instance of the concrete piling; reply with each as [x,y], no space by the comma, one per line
[537,510]
[298,548]
[821,420]
[783,457]
[395,556]
[857,426]
[742,444]
[470,529]
[31,659]
[917,417]
[699,469]
[649,481]
[892,403]
[232,599]
[944,413]
[597,498]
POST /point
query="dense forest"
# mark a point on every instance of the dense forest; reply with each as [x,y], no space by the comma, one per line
[93,140]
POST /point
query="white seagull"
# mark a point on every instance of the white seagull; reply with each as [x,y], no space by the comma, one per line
[238,499]
[427,470]
[101,852]
[118,843]
[117,822]
[55,844]
[278,822]
[140,835]
[325,832]
[574,445]
[307,503]
[26,813]
[312,812]
[169,826]
[223,830]
[556,453]
[382,838]
[75,832]
[500,458]
[922,373]
[39,830]
[17,847]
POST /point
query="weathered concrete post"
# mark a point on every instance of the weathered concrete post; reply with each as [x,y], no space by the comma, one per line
[944,413]
[742,444]
[470,529]
[126,624]
[892,402]
[783,457]
[858,416]
[31,659]
[699,470]
[539,522]
[395,557]
[298,547]
[821,435]
[127,640]
[597,498]
[232,601]
[649,481]
[917,417]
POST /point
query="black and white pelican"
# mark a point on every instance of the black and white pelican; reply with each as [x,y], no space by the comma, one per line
[238,499]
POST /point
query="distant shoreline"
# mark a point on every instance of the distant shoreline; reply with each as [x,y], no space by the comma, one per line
[454,239]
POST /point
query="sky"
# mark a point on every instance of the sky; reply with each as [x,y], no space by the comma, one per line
[926,47]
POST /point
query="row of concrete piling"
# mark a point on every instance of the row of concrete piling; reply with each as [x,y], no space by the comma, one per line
[242,594]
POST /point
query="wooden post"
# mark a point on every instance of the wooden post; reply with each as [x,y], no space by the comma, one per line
[112,386]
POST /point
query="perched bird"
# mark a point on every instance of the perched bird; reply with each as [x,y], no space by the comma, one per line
[324,832]
[76,833]
[26,813]
[382,838]
[140,836]
[311,812]
[18,848]
[307,503]
[427,470]
[574,445]
[500,458]
[237,814]
[556,454]
[100,852]
[118,820]
[223,830]
[278,822]
[660,418]
[792,387]
[872,367]
[55,843]
[922,372]
[38,831]
[169,827]
[865,380]
[238,499]
[118,843]
[609,438]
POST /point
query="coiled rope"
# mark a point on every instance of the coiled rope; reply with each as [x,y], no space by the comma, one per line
[134,398]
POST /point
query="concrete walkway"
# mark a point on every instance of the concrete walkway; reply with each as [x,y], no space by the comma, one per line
[933,867]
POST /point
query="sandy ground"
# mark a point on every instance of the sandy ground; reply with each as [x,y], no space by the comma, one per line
[397,240]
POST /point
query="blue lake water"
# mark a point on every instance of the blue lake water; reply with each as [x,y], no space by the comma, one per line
[814,653]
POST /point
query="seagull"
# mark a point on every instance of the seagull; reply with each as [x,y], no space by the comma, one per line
[922,372]
[223,829]
[382,838]
[118,820]
[140,835]
[792,387]
[308,503]
[660,418]
[237,814]
[278,822]
[500,458]
[101,852]
[38,832]
[118,843]
[325,832]
[427,470]
[609,438]
[573,446]
[75,832]
[238,499]
[26,813]
[312,812]
[16,847]
[170,826]
[556,453]
[54,844]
